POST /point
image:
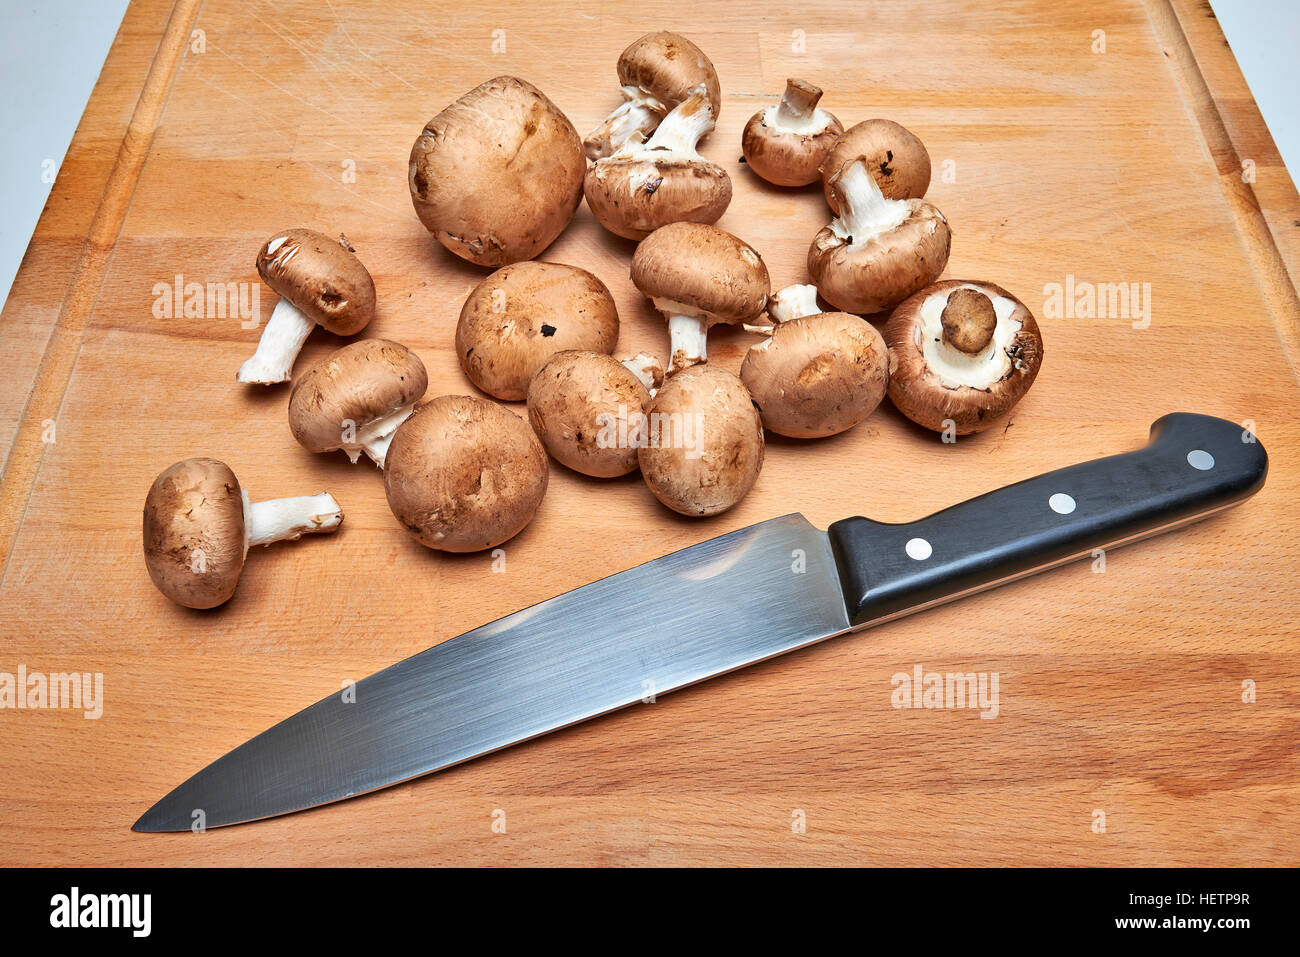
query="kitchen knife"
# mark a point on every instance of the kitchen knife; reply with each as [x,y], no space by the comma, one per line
[703,611]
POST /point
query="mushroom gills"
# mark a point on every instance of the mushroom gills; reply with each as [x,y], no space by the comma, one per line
[282,339]
[281,519]
[956,368]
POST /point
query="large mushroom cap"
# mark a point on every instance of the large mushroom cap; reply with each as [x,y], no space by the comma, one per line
[464,474]
[669,67]
[705,444]
[351,388]
[961,354]
[699,270]
[321,276]
[588,409]
[787,144]
[521,315]
[497,175]
[898,160]
[194,539]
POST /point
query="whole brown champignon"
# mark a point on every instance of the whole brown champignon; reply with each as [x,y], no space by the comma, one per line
[646,185]
[521,315]
[898,160]
[589,411]
[497,175]
[699,276]
[786,144]
[319,281]
[464,474]
[878,251]
[355,398]
[657,72]
[199,524]
[961,355]
[704,448]
[818,373]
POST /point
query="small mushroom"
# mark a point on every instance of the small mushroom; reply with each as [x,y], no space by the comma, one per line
[199,524]
[787,144]
[961,355]
[704,444]
[497,175]
[878,251]
[319,281]
[464,474]
[663,180]
[355,398]
[521,315]
[657,72]
[818,373]
[699,276]
[897,158]
[589,411]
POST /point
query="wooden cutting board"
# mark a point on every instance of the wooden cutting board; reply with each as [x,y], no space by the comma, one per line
[1148,714]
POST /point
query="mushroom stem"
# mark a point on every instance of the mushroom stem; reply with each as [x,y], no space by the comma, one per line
[798,103]
[968,321]
[282,340]
[278,519]
[793,302]
[374,438]
[647,369]
[688,342]
[864,210]
[638,113]
[682,128]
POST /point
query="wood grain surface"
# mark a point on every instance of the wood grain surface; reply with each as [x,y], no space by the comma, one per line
[1121,693]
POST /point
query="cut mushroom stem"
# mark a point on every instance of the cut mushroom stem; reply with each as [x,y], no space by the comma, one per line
[793,302]
[968,321]
[797,111]
[865,211]
[376,436]
[638,114]
[288,519]
[688,336]
[277,350]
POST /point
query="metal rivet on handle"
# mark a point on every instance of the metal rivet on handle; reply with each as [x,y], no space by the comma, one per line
[1061,503]
[918,548]
[1200,459]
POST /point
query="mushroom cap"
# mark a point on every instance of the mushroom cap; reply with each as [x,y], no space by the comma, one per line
[194,537]
[928,393]
[357,384]
[497,175]
[588,409]
[464,474]
[669,67]
[705,443]
[321,276]
[704,270]
[817,375]
[897,158]
[634,194]
[521,315]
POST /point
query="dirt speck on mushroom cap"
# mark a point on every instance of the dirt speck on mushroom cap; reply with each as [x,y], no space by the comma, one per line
[896,157]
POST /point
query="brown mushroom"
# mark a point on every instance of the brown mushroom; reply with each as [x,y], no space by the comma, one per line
[878,251]
[319,281]
[699,276]
[961,355]
[521,315]
[464,474]
[646,185]
[355,398]
[199,525]
[704,444]
[657,72]
[898,160]
[497,175]
[787,144]
[818,373]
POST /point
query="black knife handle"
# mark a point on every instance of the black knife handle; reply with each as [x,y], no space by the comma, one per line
[1193,466]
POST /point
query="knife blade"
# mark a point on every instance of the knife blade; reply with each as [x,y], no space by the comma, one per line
[703,611]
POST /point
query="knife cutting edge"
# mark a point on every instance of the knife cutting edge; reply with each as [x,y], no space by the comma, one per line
[703,611]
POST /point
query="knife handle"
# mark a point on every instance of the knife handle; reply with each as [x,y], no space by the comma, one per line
[1193,465]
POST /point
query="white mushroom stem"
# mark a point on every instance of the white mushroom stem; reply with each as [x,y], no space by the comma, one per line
[282,340]
[647,369]
[375,436]
[865,211]
[687,334]
[797,112]
[682,128]
[280,519]
[793,302]
[639,113]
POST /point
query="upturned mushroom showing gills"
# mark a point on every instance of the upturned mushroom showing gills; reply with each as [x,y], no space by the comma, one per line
[319,281]
[961,355]
[464,474]
[878,251]
[699,276]
[657,71]
[663,180]
[818,373]
[199,525]
[704,447]
[523,314]
[497,175]
[787,143]
[355,398]
[898,160]
[589,411]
